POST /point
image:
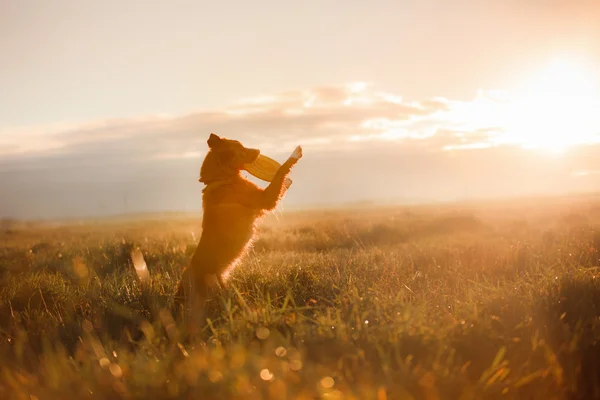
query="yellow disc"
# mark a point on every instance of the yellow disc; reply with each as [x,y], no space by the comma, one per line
[263,168]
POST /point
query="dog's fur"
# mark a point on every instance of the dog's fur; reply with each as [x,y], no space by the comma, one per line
[232,206]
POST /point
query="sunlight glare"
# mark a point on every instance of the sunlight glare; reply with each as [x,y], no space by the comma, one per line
[557,109]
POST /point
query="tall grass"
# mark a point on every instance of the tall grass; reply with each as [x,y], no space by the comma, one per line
[469,302]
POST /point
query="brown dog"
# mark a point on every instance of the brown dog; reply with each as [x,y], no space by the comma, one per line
[232,206]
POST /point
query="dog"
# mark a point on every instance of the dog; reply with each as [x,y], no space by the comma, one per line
[232,205]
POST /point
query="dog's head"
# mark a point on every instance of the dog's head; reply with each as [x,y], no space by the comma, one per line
[225,158]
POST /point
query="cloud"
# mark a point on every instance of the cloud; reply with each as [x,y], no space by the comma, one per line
[361,143]
[585,173]
[319,118]
[344,117]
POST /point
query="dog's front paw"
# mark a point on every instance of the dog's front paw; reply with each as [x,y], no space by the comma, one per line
[297,154]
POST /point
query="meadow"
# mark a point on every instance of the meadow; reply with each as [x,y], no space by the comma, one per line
[484,300]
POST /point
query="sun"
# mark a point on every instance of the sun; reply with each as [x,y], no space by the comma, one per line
[557,108]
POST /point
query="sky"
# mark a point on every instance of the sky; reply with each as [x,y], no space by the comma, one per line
[105,107]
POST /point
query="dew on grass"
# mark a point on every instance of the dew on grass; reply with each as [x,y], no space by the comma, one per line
[327,382]
[115,370]
[280,351]
[266,375]
[262,333]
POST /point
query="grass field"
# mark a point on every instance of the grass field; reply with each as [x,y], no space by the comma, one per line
[471,301]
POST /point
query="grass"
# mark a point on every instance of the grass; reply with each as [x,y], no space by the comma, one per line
[497,300]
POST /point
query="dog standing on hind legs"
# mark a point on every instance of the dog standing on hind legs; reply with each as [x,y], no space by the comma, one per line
[232,206]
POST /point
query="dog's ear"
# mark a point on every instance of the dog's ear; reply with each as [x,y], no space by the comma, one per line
[213,140]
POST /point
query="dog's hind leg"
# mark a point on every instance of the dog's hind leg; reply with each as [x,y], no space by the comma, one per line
[195,294]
